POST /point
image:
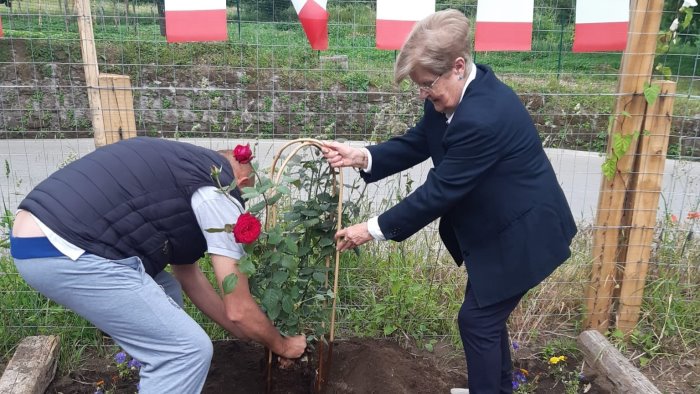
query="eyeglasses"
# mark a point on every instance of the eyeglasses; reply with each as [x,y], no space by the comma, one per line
[427,89]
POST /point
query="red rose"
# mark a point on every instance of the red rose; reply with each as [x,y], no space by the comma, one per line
[243,154]
[247,229]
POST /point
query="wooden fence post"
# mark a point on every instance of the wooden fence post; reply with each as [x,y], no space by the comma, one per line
[611,219]
[644,196]
[117,107]
[87,47]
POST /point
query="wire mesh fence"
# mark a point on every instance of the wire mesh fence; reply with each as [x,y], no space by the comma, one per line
[265,84]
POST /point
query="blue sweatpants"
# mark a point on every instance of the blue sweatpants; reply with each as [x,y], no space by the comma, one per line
[143,315]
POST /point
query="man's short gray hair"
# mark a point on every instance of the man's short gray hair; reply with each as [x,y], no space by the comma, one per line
[434,44]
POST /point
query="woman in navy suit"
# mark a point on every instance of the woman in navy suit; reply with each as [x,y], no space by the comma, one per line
[502,212]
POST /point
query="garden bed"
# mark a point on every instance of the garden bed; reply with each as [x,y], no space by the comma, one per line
[358,366]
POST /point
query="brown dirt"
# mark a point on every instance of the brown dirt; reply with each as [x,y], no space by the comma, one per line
[358,366]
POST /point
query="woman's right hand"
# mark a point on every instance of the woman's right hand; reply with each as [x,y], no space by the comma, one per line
[343,155]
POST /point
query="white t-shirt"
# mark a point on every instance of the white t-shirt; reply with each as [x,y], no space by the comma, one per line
[212,209]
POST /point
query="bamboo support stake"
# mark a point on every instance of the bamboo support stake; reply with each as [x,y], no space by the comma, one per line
[91,68]
[117,107]
[648,172]
[635,71]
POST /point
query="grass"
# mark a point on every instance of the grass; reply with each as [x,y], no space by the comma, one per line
[283,44]
[412,291]
[25,313]
[402,294]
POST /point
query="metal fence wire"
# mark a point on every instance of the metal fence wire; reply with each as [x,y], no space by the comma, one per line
[265,84]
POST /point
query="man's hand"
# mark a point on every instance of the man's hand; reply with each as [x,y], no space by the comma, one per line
[342,155]
[351,237]
[293,346]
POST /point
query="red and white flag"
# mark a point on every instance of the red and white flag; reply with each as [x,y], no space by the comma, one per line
[201,20]
[504,25]
[395,19]
[601,25]
[314,19]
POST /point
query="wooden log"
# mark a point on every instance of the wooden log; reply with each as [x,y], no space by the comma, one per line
[645,191]
[91,68]
[612,218]
[619,371]
[117,103]
[32,367]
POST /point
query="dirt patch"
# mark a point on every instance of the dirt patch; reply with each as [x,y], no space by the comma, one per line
[358,366]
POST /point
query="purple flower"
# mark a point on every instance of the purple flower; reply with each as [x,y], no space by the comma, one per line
[581,377]
[520,377]
[134,364]
[516,384]
[120,357]
[515,345]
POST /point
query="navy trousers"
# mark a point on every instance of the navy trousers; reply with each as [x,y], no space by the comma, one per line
[486,344]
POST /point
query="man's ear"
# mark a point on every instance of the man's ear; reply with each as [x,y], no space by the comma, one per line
[244,181]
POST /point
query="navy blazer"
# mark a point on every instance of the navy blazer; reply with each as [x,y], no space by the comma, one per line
[502,210]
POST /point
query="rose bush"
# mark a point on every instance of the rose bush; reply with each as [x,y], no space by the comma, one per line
[287,262]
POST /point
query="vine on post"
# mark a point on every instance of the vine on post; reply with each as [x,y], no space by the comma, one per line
[622,142]
[667,38]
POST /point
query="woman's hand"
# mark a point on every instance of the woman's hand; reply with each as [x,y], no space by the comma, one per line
[342,155]
[351,237]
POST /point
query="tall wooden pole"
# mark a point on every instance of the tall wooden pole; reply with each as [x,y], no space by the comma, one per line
[92,73]
[117,103]
[648,176]
[612,220]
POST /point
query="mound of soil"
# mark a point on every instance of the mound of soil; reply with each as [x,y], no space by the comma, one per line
[358,366]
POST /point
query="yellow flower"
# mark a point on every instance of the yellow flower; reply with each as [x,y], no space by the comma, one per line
[556,360]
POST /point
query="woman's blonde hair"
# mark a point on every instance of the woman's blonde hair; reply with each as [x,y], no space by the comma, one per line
[434,44]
